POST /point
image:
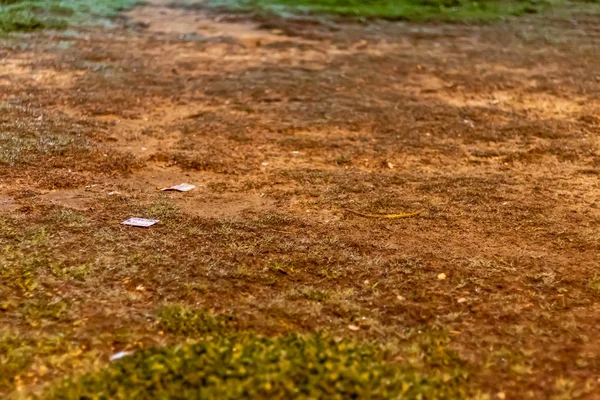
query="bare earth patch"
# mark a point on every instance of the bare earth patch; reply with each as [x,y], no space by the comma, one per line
[491,130]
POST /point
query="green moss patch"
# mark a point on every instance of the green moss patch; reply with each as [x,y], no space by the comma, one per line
[31,15]
[415,10]
[253,367]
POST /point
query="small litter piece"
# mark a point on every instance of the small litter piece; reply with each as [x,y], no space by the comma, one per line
[140,222]
[120,355]
[441,276]
[354,328]
[469,122]
[184,187]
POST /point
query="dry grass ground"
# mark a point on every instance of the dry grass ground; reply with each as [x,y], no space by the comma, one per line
[491,130]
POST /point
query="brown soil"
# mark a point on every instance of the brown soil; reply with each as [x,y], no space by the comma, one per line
[493,131]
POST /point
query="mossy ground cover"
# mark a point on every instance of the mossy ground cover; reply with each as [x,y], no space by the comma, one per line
[31,15]
[413,10]
[184,352]
[223,364]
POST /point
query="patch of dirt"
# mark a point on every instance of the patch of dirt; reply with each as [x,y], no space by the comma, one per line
[22,71]
[528,103]
[492,131]
[184,22]
[224,205]
[7,204]
[74,198]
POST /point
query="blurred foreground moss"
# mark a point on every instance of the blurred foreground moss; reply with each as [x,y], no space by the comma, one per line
[237,365]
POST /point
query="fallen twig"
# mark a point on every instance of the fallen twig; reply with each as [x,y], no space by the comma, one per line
[386,216]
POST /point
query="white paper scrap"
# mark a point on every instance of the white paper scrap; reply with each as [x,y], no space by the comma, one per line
[184,187]
[120,355]
[140,222]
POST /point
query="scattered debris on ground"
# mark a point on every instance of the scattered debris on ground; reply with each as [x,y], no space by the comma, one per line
[184,187]
[140,222]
